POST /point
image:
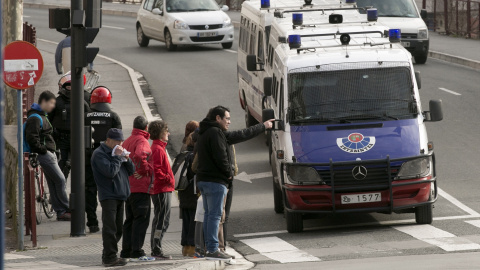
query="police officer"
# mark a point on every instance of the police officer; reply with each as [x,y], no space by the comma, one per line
[60,120]
[101,118]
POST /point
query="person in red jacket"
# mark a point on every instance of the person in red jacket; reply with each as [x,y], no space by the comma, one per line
[163,186]
[138,204]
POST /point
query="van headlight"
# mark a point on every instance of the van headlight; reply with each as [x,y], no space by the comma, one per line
[423,33]
[227,23]
[303,174]
[416,168]
[180,25]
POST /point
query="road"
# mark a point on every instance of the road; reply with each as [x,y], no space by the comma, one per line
[186,83]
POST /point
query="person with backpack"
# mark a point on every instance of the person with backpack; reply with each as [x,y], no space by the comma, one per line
[38,139]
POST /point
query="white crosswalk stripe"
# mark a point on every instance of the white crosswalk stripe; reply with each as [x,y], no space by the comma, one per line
[279,250]
[475,223]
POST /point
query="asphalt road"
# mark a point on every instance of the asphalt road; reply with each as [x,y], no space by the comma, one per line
[186,83]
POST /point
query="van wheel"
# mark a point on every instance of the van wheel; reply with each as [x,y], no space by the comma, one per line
[294,222]
[421,58]
[424,214]
[277,199]
[227,45]
[168,41]
[249,119]
[141,38]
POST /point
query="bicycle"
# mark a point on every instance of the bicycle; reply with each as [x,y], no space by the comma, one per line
[41,191]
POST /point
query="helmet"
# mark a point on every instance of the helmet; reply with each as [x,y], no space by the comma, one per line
[101,98]
[66,80]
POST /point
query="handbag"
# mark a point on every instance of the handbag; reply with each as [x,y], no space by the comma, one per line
[181,180]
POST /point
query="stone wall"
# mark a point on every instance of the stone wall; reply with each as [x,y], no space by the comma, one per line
[11,180]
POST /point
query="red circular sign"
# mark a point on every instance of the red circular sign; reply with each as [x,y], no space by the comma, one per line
[22,65]
[355,137]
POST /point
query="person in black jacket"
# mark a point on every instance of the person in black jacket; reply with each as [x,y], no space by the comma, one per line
[38,135]
[215,171]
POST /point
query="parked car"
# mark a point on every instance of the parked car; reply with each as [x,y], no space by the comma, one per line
[184,22]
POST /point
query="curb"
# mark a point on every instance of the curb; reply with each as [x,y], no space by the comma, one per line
[455,59]
[202,265]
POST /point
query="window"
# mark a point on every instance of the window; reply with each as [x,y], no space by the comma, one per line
[270,56]
[245,39]
[260,54]
[159,5]
[267,35]
[280,105]
[274,82]
[252,39]
[242,28]
[148,5]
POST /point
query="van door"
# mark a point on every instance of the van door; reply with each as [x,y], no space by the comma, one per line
[146,17]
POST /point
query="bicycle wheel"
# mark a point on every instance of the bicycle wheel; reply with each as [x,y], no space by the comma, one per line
[38,200]
[47,206]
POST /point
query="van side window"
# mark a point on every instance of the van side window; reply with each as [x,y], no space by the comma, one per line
[267,35]
[274,82]
[270,56]
[253,39]
[280,106]
[247,35]
[242,27]
[276,91]
[260,54]
[148,5]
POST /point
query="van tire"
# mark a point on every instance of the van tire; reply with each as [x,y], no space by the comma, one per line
[277,199]
[169,42]
[294,222]
[421,58]
[249,119]
[227,45]
[141,38]
[424,214]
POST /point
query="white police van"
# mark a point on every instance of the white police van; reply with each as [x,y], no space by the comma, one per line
[350,133]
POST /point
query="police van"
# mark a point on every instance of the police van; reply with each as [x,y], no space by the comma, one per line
[350,130]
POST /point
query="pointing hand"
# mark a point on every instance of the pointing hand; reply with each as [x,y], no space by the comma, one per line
[269,124]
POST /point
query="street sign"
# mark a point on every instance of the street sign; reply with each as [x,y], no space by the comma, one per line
[23,65]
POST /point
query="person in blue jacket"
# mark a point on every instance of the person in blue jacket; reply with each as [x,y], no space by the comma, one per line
[63,49]
[111,166]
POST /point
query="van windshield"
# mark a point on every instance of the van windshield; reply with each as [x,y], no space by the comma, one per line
[191,5]
[391,8]
[344,96]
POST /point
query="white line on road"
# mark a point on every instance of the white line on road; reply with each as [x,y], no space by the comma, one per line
[450,91]
[437,237]
[25,16]
[113,27]
[230,51]
[279,250]
[243,176]
[457,203]
[475,223]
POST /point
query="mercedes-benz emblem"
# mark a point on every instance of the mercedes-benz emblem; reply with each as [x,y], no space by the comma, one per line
[359,172]
[206,26]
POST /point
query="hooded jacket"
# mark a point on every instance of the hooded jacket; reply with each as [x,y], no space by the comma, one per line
[111,174]
[39,139]
[60,116]
[141,152]
[164,180]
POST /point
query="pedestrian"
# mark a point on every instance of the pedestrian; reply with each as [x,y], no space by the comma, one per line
[102,119]
[60,119]
[138,205]
[188,203]
[216,168]
[163,186]
[111,165]
[189,128]
[38,136]
[63,55]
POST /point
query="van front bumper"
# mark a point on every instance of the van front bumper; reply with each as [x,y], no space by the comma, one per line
[416,46]
[190,37]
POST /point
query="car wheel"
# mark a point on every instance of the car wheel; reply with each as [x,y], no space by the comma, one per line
[277,198]
[227,45]
[424,214]
[141,38]
[294,222]
[421,58]
[168,41]
[249,119]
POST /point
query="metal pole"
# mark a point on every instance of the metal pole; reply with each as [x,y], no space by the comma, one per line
[20,169]
[445,13]
[424,4]
[77,145]
[2,159]
[456,16]
[435,15]
[469,21]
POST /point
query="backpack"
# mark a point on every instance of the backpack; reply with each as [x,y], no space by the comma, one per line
[26,146]
[182,165]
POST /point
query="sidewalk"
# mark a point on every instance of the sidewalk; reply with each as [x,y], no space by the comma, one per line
[59,251]
[460,51]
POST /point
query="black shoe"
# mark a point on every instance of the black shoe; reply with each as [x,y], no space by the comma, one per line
[94,229]
[116,262]
[218,256]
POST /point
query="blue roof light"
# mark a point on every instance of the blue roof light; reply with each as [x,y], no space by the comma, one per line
[297,19]
[350,1]
[372,15]
[265,3]
[294,41]
[395,35]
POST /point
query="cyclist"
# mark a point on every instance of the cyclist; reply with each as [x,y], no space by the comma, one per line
[38,135]
[101,118]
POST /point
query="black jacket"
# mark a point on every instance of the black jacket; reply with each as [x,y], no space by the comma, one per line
[215,154]
[60,117]
[39,139]
[187,197]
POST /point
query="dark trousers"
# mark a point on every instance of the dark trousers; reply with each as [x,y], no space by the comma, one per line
[112,219]
[228,205]
[188,227]
[64,162]
[91,201]
[161,220]
[137,209]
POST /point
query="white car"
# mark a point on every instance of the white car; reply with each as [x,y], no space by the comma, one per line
[184,22]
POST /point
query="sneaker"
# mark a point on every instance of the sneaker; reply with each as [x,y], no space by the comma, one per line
[161,257]
[198,255]
[116,262]
[65,217]
[233,257]
[142,259]
[218,256]
[94,229]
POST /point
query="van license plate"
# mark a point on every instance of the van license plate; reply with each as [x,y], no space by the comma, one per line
[406,44]
[361,198]
[207,34]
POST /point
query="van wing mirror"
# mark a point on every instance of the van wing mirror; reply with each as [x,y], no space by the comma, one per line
[423,14]
[157,11]
[268,114]
[267,86]
[418,79]
[252,63]
[436,111]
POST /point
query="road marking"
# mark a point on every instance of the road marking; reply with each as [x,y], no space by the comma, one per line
[475,223]
[11,256]
[230,51]
[457,203]
[243,176]
[259,234]
[279,250]
[25,16]
[437,237]
[450,91]
[113,27]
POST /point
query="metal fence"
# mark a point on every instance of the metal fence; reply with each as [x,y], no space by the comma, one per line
[454,17]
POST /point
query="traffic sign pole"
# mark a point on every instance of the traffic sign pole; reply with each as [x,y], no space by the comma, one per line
[21,215]
[2,160]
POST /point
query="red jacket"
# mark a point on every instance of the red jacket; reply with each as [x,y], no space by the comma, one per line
[141,153]
[164,179]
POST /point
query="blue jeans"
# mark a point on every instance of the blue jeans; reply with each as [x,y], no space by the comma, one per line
[213,195]
[56,182]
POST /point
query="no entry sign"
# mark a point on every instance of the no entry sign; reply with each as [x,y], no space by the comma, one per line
[22,65]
